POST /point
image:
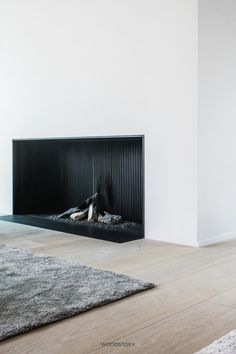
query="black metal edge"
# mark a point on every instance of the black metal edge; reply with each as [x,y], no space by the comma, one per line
[82,137]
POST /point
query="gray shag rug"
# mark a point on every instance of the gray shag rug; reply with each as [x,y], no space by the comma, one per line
[224,345]
[36,289]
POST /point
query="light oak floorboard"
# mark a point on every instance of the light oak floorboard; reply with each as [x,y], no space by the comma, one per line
[185,333]
[195,287]
[227,298]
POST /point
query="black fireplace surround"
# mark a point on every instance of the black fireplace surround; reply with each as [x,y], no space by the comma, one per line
[53,175]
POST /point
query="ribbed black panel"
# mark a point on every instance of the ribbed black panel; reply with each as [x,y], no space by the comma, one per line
[76,166]
[36,176]
[119,165]
[53,175]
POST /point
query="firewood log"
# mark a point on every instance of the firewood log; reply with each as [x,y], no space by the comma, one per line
[91,213]
[100,218]
[81,207]
[79,215]
[68,212]
[88,201]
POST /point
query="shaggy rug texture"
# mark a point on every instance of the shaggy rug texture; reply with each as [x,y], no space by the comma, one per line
[224,345]
[36,289]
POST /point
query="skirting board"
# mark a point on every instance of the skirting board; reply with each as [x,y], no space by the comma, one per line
[217,239]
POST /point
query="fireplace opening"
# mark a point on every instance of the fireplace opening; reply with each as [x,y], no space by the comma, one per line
[86,186]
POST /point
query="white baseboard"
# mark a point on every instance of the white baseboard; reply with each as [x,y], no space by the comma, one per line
[217,239]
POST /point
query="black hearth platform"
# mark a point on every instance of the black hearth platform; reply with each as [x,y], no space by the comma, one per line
[118,235]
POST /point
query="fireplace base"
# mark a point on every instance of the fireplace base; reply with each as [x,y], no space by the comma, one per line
[118,235]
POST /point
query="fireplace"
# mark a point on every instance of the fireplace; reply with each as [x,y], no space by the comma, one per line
[51,176]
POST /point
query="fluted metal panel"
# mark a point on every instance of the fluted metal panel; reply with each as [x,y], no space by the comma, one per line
[119,162]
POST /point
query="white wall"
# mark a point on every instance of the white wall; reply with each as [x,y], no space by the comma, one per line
[217,120]
[89,67]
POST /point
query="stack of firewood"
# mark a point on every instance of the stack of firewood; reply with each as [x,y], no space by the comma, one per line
[88,210]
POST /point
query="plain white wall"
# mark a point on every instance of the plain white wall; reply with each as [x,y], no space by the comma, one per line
[89,67]
[217,120]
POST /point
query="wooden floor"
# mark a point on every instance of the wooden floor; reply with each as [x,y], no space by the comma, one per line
[193,304]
